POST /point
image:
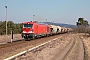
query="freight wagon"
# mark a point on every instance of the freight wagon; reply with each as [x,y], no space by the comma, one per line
[55,29]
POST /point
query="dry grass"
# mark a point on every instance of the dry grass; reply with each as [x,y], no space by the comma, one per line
[5,39]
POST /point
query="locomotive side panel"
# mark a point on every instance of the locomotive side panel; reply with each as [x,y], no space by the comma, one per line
[43,29]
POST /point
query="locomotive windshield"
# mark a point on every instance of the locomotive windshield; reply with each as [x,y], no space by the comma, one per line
[28,25]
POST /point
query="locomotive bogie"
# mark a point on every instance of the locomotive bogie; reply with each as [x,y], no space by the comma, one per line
[25,36]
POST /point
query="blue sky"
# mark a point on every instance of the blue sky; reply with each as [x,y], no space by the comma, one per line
[61,11]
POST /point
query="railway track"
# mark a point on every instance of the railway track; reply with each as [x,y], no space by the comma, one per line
[7,50]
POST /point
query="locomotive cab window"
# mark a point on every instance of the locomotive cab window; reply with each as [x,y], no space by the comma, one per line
[28,25]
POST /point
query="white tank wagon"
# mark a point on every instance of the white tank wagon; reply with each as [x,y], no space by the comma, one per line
[58,29]
[66,30]
[53,29]
[62,29]
[70,29]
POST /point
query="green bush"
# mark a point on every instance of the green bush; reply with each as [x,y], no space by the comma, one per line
[16,28]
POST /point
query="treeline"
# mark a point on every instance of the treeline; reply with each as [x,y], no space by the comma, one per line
[82,22]
[82,26]
[16,28]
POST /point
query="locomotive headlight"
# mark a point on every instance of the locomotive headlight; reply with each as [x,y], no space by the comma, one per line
[24,34]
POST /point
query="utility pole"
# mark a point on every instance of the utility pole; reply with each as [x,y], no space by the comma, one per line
[33,17]
[46,21]
[6,20]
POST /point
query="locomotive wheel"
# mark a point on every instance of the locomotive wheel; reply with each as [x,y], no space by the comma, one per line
[27,39]
[37,37]
[33,37]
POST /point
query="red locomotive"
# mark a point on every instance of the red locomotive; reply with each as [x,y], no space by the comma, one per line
[33,30]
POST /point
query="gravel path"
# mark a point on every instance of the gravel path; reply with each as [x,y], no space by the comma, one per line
[86,41]
[77,50]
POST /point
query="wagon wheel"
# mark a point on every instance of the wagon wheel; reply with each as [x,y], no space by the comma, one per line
[47,35]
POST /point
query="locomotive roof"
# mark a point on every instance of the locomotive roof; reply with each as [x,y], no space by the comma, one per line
[35,22]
